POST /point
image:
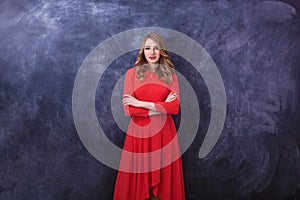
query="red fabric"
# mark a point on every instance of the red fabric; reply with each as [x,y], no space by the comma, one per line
[148,134]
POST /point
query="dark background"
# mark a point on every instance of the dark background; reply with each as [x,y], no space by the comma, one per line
[255,44]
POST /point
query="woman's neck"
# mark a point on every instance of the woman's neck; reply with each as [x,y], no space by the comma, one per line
[153,67]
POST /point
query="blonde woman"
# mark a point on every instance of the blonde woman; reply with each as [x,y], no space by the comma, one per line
[150,98]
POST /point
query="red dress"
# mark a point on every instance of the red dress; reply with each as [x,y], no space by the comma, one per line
[151,155]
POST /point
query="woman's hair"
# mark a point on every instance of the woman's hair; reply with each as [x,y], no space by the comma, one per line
[165,68]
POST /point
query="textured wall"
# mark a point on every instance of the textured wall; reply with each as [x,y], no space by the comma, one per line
[255,44]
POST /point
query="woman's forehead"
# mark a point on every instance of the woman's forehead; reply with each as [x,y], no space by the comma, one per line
[150,42]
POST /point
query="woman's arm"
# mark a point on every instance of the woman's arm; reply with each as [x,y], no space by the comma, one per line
[170,107]
[171,97]
[129,89]
[135,107]
[130,100]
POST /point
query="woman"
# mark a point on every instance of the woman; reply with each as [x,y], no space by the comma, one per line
[150,97]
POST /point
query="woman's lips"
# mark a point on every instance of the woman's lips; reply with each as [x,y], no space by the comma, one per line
[152,58]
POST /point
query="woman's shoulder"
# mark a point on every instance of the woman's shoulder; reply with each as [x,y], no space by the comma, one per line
[174,74]
[130,71]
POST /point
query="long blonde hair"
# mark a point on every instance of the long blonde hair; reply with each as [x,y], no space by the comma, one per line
[165,68]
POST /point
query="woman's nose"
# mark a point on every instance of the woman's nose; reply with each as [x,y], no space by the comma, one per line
[151,50]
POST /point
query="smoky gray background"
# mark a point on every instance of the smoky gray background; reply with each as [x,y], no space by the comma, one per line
[255,44]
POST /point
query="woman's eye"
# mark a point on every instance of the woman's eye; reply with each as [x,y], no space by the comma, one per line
[149,48]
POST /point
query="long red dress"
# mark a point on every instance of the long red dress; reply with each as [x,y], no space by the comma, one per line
[151,155]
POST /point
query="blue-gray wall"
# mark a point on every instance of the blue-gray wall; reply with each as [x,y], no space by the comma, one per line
[255,44]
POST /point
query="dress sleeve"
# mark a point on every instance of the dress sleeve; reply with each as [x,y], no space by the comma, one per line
[173,106]
[129,89]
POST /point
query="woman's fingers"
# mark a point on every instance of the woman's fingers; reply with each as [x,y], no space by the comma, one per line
[171,97]
[129,100]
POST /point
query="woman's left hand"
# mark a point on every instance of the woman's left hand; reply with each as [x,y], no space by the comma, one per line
[171,97]
[129,100]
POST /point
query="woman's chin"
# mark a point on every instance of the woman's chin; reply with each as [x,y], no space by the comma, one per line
[151,62]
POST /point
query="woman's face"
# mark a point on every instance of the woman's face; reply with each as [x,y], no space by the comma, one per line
[151,51]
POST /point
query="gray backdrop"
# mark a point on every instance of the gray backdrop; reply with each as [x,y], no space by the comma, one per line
[255,44]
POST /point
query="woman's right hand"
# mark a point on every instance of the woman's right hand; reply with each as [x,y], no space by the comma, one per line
[129,100]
